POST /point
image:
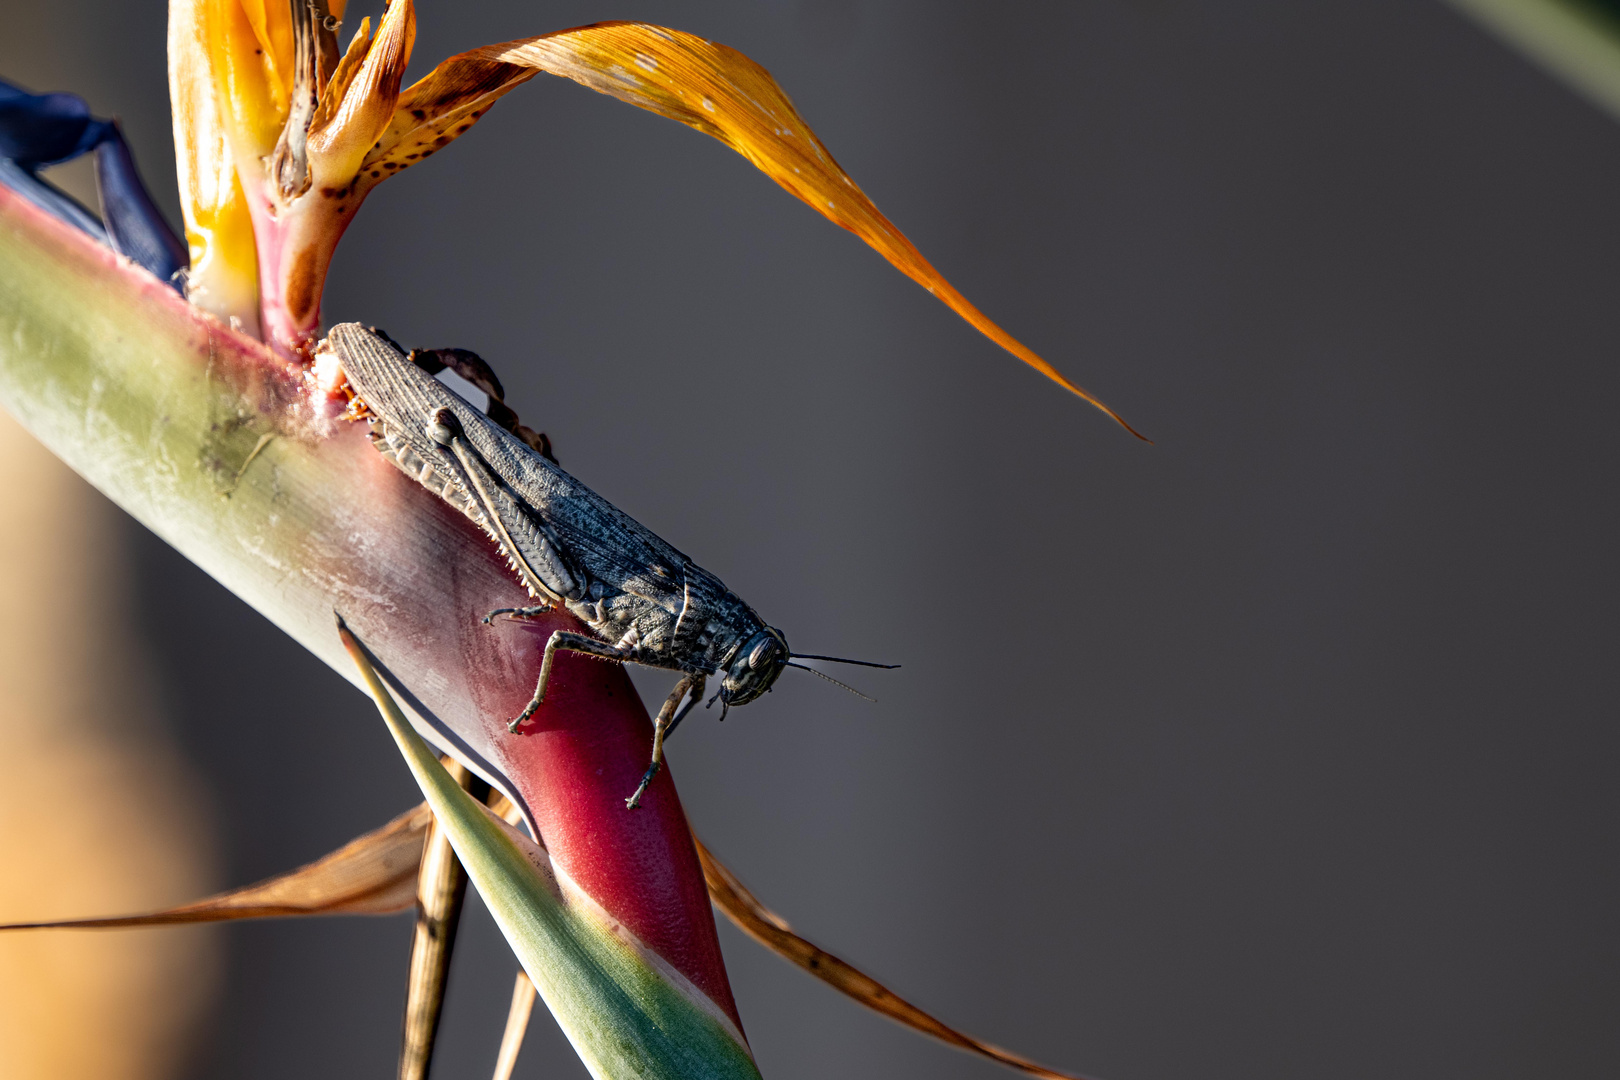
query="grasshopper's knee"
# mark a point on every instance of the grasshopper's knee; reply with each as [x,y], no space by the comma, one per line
[560,639]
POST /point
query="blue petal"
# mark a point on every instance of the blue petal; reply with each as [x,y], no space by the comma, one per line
[135,227]
[44,129]
[37,130]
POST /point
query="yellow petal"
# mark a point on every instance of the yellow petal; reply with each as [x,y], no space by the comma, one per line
[224,277]
[252,83]
[271,23]
[722,93]
[337,147]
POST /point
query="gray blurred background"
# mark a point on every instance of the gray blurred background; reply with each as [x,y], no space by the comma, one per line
[1282,748]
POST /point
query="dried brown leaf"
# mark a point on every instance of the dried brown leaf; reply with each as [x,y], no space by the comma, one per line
[771,930]
[517,1026]
[378,873]
[440,890]
[375,874]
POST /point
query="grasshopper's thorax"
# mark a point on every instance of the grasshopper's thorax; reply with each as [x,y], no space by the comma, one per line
[701,629]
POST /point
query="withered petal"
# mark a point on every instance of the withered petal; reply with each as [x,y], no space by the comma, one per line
[342,77]
[439,108]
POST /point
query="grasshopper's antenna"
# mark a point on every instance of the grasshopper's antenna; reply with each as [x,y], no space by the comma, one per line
[837,660]
[834,681]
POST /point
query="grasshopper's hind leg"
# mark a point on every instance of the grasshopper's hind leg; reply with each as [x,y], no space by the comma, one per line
[518,612]
[565,639]
[664,727]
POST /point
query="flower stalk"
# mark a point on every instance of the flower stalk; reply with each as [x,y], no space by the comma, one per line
[220,447]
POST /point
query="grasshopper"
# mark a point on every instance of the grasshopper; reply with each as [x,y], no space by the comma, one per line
[643,601]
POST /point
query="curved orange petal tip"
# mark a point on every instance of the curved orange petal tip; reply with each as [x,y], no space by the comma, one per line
[721,92]
[359,107]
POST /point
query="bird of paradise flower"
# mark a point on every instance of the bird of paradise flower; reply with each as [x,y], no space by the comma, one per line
[308,134]
[280,136]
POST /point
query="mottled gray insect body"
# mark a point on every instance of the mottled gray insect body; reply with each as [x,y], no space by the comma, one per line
[644,601]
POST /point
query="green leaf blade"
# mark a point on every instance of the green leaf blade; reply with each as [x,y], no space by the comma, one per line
[624,1015]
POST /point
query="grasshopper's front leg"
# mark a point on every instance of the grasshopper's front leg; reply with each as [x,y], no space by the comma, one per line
[565,639]
[664,727]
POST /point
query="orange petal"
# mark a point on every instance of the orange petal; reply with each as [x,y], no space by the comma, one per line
[722,93]
[770,930]
[338,84]
[337,147]
[374,874]
[439,108]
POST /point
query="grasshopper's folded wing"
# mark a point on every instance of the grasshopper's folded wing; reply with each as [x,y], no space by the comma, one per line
[405,399]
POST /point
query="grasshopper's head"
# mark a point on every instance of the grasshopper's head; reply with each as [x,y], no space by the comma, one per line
[755,667]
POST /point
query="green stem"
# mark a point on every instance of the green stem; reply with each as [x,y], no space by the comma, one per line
[219,447]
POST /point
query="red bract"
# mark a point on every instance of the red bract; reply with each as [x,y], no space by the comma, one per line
[574,763]
[225,450]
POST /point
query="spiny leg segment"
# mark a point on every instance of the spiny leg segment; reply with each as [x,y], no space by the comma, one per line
[690,688]
[562,639]
[517,612]
[664,727]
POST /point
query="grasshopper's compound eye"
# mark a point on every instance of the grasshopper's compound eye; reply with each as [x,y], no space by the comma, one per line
[758,663]
[443,427]
[759,658]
